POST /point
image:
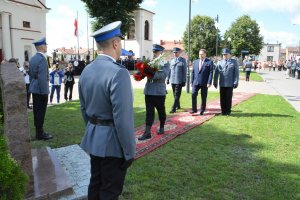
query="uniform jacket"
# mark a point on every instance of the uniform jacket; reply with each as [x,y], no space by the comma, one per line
[105,92]
[298,66]
[294,65]
[38,74]
[177,74]
[157,86]
[52,74]
[205,75]
[248,66]
[228,72]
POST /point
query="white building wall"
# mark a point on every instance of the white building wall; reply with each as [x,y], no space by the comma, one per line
[140,46]
[21,37]
[264,52]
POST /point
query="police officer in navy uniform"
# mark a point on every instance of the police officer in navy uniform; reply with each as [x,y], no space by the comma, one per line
[202,75]
[155,94]
[39,87]
[106,102]
[177,77]
[227,72]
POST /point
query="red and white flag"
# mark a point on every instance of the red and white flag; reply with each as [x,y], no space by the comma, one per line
[76,28]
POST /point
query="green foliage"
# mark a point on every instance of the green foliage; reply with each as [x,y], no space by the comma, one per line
[203,34]
[12,180]
[253,76]
[105,12]
[245,35]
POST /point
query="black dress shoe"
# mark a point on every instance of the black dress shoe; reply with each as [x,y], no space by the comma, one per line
[178,107]
[193,112]
[173,111]
[202,112]
[160,131]
[44,136]
[145,137]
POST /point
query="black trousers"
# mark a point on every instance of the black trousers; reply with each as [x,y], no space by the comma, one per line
[107,178]
[203,97]
[153,102]
[28,94]
[226,99]
[40,102]
[177,88]
[68,87]
[248,75]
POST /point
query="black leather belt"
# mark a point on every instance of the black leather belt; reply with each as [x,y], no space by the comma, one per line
[155,81]
[102,122]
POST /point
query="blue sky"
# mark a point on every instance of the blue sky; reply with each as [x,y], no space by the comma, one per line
[275,18]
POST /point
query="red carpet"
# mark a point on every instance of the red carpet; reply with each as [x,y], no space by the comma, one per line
[180,123]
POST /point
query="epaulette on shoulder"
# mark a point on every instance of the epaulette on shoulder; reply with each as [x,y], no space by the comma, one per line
[119,64]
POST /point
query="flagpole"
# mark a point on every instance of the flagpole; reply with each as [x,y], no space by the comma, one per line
[77,38]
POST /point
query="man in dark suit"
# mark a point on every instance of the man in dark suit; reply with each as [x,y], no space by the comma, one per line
[39,87]
[228,71]
[177,77]
[201,79]
[106,102]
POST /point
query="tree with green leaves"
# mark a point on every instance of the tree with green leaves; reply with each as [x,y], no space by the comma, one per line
[203,34]
[105,12]
[245,35]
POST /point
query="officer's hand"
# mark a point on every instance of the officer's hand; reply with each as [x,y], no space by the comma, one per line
[168,82]
[183,84]
[235,86]
[216,85]
[149,71]
[208,85]
[126,163]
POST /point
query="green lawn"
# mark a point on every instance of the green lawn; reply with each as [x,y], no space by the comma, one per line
[252,154]
[253,76]
[65,123]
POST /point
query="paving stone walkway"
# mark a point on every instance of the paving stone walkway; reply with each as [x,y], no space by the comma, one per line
[76,164]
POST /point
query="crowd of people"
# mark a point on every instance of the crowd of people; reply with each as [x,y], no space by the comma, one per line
[290,67]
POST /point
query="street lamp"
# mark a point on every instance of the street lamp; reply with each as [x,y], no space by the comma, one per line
[217,27]
[229,41]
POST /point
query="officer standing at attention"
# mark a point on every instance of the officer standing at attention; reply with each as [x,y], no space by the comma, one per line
[248,67]
[177,77]
[228,71]
[106,102]
[39,87]
[155,94]
[202,75]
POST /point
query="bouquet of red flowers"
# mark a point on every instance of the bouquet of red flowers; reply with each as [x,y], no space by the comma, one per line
[147,68]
